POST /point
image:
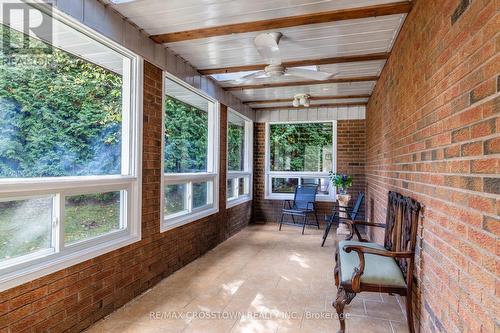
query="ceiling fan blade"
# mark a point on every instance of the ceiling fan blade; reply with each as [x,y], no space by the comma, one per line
[248,77]
[267,46]
[308,74]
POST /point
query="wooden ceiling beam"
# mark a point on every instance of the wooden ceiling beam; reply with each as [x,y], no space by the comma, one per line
[312,98]
[286,22]
[298,63]
[302,83]
[331,105]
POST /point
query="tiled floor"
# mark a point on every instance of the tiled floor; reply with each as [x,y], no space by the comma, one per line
[259,281]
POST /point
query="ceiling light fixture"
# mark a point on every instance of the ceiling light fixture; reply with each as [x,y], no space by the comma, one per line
[301,99]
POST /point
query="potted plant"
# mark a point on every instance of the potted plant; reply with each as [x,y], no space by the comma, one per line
[341,181]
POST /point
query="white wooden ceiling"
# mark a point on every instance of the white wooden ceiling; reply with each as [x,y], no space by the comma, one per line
[318,90]
[164,16]
[325,40]
[316,41]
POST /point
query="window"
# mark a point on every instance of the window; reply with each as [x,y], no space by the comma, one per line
[299,154]
[69,148]
[239,159]
[190,143]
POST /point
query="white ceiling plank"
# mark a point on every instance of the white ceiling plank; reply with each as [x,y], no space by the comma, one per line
[326,40]
[160,16]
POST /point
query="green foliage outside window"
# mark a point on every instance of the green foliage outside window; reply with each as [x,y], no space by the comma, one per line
[186,137]
[236,146]
[301,147]
[59,115]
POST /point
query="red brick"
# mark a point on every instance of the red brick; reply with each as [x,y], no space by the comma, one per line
[28,297]
[487,165]
[472,149]
[4,307]
[453,151]
[482,239]
[492,146]
[15,315]
[482,204]
[492,225]
[484,90]
[459,135]
[483,128]
[491,185]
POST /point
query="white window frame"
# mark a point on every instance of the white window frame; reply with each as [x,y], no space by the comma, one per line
[247,172]
[211,176]
[25,268]
[330,197]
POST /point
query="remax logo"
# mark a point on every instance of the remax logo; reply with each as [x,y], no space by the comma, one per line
[32,22]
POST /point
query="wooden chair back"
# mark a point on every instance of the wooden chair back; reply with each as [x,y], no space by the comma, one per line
[403,214]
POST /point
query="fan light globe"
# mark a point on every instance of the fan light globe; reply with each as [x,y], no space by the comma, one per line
[295,102]
[303,100]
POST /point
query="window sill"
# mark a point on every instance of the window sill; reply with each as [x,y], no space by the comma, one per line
[235,202]
[56,263]
[169,224]
[282,196]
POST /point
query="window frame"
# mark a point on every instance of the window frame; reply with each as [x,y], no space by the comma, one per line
[247,172]
[181,218]
[269,175]
[25,268]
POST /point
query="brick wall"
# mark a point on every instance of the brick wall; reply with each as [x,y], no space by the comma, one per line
[72,299]
[433,133]
[351,152]
[350,159]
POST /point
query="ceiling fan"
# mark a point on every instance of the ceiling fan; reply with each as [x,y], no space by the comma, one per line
[267,46]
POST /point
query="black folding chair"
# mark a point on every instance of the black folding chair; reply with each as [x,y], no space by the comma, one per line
[352,213]
[302,205]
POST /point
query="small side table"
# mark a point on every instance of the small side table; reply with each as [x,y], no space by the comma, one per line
[343,200]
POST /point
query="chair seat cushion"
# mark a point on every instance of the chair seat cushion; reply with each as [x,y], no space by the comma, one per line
[379,270]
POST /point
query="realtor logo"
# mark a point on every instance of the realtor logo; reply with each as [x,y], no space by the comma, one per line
[28,27]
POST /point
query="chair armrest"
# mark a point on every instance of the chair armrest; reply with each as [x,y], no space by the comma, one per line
[361,250]
[370,224]
[313,204]
[352,227]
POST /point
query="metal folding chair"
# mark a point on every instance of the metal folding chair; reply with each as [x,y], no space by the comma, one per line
[302,205]
[352,213]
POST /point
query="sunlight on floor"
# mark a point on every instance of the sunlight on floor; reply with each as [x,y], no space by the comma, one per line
[232,287]
[259,281]
[297,258]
